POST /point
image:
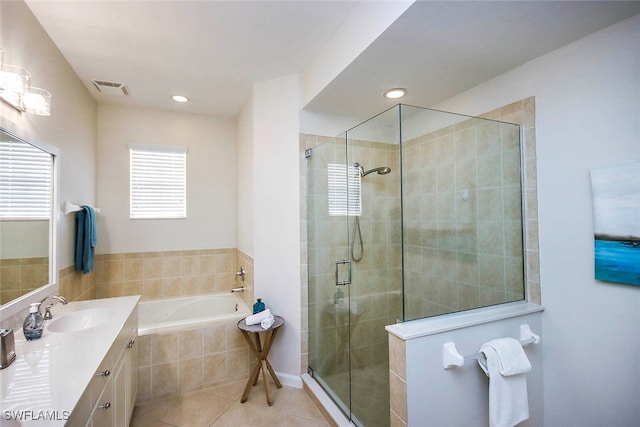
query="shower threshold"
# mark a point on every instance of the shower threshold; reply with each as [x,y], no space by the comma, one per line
[326,402]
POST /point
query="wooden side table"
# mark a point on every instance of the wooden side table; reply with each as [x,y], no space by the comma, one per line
[261,351]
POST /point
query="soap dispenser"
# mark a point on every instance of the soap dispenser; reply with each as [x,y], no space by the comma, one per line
[258,306]
[33,324]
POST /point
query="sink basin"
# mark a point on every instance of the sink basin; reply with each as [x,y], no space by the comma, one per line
[80,320]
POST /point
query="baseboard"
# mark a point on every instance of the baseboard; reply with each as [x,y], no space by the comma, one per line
[290,380]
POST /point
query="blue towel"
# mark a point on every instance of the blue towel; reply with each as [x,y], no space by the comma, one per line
[85,239]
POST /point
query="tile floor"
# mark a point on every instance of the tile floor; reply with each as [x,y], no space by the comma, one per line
[220,406]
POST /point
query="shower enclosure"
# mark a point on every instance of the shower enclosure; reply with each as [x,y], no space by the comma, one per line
[414,213]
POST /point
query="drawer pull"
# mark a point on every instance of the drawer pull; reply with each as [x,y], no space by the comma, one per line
[131,343]
[105,406]
[104,373]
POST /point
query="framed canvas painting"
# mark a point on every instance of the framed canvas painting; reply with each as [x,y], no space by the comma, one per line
[616,218]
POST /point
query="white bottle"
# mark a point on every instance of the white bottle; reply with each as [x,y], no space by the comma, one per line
[33,324]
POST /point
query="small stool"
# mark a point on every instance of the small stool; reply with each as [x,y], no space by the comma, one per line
[261,352]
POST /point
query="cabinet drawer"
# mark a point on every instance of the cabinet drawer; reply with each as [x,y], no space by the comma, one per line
[103,412]
[130,327]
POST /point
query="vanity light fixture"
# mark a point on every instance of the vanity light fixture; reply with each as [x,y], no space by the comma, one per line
[395,93]
[16,90]
[180,98]
[37,101]
[14,82]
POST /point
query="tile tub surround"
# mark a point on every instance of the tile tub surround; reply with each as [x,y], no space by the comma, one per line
[153,275]
[156,275]
[204,356]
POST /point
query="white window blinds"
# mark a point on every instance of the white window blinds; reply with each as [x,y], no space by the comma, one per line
[158,182]
[344,190]
[26,177]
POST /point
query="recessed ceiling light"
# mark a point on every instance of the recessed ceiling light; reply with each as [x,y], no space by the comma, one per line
[395,93]
[180,98]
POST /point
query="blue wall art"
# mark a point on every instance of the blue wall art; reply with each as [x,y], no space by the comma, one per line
[616,215]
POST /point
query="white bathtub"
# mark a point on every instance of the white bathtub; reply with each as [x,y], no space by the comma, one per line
[173,314]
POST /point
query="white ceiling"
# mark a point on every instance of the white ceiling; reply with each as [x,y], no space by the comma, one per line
[439,49]
[212,51]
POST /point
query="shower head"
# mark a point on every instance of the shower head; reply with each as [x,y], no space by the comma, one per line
[383,170]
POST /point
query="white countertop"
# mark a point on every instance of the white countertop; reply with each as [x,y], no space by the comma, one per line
[50,374]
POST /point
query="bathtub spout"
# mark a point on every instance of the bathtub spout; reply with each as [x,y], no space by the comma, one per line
[240,289]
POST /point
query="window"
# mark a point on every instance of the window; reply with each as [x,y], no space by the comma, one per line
[344,190]
[158,182]
[25,181]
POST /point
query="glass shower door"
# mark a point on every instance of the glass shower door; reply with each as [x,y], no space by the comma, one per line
[355,265]
[329,270]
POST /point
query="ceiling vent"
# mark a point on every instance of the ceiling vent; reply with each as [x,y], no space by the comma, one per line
[111,88]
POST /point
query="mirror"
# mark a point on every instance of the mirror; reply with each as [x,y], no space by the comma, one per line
[26,217]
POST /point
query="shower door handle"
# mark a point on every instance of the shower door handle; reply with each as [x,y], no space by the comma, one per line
[343,282]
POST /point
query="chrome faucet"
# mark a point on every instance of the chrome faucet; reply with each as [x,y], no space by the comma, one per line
[242,273]
[47,312]
[240,289]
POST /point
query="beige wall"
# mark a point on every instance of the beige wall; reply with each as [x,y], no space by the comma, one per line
[71,128]
[211,181]
[72,125]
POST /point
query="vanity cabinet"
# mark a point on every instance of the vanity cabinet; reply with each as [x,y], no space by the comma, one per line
[109,399]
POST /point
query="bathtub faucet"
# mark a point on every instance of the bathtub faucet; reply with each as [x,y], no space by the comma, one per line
[240,289]
[242,273]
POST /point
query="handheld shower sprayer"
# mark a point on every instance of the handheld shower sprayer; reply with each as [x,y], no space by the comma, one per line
[357,233]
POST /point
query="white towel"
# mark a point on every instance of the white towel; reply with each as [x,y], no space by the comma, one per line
[258,317]
[505,363]
[268,322]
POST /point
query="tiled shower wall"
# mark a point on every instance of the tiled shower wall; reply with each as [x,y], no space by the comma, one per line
[520,112]
[462,218]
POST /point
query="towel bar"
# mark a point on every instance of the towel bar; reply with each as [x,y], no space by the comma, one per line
[70,207]
[451,358]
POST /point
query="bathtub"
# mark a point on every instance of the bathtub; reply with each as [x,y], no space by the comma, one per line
[168,315]
[188,343]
